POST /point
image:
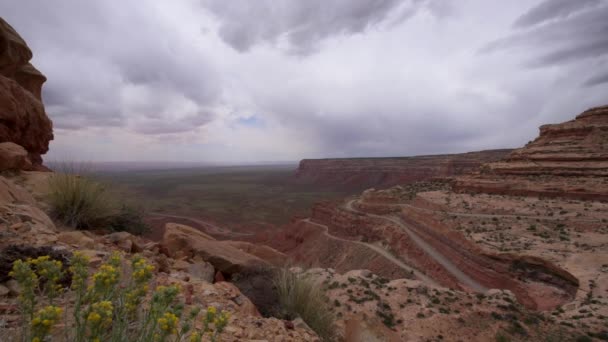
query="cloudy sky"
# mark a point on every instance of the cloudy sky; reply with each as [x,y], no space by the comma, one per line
[281,80]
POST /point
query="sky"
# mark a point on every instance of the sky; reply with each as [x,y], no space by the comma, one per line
[247,81]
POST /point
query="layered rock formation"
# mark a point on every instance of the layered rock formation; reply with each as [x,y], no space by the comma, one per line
[362,173]
[569,159]
[23,120]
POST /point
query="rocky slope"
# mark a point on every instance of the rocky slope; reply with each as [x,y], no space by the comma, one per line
[569,159]
[363,173]
[544,252]
[193,260]
[25,129]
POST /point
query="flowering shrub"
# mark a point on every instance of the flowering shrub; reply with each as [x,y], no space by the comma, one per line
[113,304]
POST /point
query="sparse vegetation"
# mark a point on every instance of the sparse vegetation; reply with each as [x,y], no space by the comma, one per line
[79,201]
[114,304]
[300,296]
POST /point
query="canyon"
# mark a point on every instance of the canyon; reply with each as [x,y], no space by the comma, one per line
[364,173]
[532,224]
[491,245]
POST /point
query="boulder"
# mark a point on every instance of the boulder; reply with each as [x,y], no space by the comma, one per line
[201,271]
[76,238]
[125,241]
[183,241]
[177,238]
[268,254]
[13,157]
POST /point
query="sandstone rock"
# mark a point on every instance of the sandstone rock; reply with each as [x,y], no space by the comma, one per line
[177,238]
[22,117]
[569,159]
[246,307]
[12,193]
[202,271]
[13,157]
[265,253]
[76,238]
[180,240]
[125,241]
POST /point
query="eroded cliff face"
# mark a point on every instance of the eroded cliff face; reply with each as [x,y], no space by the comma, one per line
[362,173]
[23,120]
[569,159]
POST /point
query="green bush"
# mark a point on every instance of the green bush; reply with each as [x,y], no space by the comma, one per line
[301,296]
[128,218]
[79,201]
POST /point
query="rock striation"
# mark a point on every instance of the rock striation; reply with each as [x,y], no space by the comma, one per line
[569,160]
[363,173]
[23,120]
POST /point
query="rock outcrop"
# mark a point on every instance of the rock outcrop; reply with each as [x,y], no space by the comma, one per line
[363,173]
[23,120]
[228,257]
[26,231]
[569,159]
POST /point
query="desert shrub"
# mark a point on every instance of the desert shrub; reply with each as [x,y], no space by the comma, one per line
[114,304]
[79,201]
[128,218]
[301,296]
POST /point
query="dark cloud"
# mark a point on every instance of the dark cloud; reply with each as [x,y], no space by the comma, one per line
[148,80]
[596,80]
[560,33]
[553,9]
[103,59]
[304,24]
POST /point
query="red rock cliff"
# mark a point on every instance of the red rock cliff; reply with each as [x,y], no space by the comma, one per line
[569,159]
[23,120]
[362,173]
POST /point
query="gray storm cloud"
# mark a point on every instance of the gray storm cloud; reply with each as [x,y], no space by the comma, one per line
[103,61]
[304,24]
[558,32]
[553,9]
[288,79]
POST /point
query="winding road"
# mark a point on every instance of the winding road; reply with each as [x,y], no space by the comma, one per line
[428,249]
[419,275]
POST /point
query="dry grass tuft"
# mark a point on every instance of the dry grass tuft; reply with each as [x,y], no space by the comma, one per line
[301,296]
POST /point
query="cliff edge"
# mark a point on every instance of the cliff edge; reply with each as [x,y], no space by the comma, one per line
[25,129]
